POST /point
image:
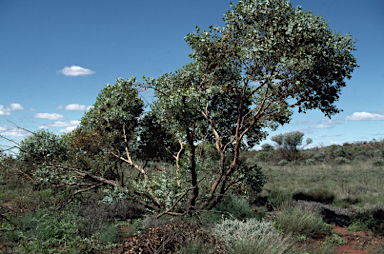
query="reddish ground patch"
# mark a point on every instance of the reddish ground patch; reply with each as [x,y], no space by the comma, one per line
[357,242]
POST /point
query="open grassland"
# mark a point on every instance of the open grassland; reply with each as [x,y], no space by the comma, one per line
[355,185]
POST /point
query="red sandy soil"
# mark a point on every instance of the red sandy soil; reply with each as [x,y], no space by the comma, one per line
[357,242]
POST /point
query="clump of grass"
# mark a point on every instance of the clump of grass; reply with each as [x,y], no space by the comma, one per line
[197,247]
[310,162]
[335,240]
[283,162]
[277,199]
[341,161]
[372,219]
[299,221]
[377,250]
[378,162]
[252,236]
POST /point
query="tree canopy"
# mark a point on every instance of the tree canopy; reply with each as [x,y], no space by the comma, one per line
[245,77]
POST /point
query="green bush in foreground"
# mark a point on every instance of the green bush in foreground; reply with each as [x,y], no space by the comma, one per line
[299,222]
[252,236]
[236,206]
[47,231]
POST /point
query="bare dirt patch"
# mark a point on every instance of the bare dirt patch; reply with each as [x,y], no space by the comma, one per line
[359,242]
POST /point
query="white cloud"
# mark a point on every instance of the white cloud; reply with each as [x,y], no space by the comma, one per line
[16,106]
[53,116]
[75,71]
[301,122]
[327,121]
[7,111]
[329,136]
[3,128]
[60,124]
[59,107]
[321,126]
[68,129]
[4,111]
[89,107]
[15,132]
[364,116]
[306,131]
[75,107]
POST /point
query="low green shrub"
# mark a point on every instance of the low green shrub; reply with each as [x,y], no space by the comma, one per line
[282,163]
[310,162]
[372,220]
[335,240]
[47,231]
[319,156]
[361,158]
[378,162]
[341,161]
[237,206]
[299,221]
[377,249]
[265,156]
[252,236]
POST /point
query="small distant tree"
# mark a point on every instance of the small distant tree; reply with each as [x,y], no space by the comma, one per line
[267,148]
[288,144]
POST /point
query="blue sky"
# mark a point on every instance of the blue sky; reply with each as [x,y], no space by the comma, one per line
[56,56]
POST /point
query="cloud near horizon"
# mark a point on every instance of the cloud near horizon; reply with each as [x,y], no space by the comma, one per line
[60,124]
[75,71]
[364,116]
[329,136]
[327,122]
[7,111]
[53,116]
[301,122]
[75,107]
[306,131]
[67,129]
[322,126]
[14,132]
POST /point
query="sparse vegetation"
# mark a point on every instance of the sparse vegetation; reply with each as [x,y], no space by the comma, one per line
[181,178]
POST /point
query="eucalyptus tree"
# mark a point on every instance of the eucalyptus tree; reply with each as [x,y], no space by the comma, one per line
[117,107]
[247,76]
[182,101]
[284,58]
[178,108]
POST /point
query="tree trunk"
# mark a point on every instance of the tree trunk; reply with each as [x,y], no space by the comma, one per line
[195,192]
